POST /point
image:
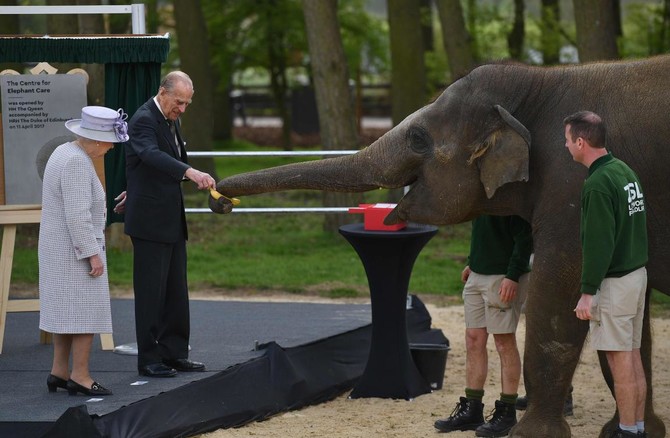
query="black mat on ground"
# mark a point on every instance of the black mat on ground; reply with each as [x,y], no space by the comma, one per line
[309,353]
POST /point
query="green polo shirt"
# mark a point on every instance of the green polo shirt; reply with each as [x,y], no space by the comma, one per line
[500,245]
[613,223]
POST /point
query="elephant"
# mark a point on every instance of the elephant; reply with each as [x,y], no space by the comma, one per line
[493,143]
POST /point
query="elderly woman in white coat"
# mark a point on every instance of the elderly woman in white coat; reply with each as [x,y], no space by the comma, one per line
[74,290]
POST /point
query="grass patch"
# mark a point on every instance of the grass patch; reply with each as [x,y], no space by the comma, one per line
[293,253]
[660,305]
[284,252]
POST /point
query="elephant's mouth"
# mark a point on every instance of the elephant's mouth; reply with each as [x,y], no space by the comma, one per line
[396,215]
[399,213]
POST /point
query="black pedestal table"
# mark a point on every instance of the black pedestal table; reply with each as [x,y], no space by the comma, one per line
[388,258]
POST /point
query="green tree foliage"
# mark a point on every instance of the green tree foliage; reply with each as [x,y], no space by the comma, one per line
[489,24]
[365,42]
[265,37]
[646,30]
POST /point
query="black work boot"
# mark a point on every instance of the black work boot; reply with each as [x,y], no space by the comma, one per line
[521,403]
[618,433]
[502,419]
[467,415]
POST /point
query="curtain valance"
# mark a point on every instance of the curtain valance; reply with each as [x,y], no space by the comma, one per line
[85,49]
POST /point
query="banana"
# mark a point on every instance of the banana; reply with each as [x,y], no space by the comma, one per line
[217,195]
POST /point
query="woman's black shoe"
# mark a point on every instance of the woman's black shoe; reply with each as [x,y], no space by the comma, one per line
[96,389]
[54,383]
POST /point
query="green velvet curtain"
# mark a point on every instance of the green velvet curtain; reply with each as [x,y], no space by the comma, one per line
[132,76]
[127,86]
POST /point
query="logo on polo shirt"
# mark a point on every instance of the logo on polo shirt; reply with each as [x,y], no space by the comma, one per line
[635,198]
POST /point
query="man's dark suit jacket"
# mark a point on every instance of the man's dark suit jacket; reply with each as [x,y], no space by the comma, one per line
[154,172]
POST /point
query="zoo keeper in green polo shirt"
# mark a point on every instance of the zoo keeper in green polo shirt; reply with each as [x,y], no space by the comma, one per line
[500,248]
[614,250]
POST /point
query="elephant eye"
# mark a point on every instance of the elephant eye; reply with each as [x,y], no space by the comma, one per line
[419,140]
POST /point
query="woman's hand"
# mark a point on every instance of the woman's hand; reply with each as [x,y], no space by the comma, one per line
[97,268]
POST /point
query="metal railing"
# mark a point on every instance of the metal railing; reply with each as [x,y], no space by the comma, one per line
[205,154]
[136,10]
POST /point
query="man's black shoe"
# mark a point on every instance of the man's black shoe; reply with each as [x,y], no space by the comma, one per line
[467,415]
[567,406]
[157,370]
[185,364]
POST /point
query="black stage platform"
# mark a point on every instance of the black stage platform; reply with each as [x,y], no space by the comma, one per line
[262,358]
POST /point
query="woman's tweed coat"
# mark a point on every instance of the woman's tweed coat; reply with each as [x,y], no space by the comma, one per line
[71,230]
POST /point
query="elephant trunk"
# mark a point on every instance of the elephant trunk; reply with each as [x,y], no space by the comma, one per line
[360,172]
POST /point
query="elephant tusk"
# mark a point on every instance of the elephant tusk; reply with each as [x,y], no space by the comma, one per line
[217,195]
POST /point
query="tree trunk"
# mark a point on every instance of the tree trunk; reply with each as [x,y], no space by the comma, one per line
[596,30]
[426,13]
[471,23]
[226,116]
[618,26]
[277,53]
[334,101]
[153,19]
[408,70]
[551,37]
[198,121]
[515,39]
[664,36]
[61,23]
[456,38]
[279,87]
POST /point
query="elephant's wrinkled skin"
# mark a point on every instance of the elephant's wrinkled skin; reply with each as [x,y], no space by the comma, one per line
[493,143]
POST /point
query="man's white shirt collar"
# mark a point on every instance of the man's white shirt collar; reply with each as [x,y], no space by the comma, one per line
[159,107]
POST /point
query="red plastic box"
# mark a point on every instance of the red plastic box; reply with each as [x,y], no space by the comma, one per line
[373,217]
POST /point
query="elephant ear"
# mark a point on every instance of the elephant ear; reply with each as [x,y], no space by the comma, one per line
[505,154]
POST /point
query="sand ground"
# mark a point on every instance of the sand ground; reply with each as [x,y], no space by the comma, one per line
[374,417]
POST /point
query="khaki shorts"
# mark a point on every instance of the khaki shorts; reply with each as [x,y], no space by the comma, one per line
[483,307]
[617,312]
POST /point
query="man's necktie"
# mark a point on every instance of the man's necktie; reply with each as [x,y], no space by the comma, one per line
[173,130]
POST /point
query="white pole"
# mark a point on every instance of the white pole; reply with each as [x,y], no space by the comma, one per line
[138,18]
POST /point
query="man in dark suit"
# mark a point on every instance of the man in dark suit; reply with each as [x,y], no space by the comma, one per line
[156,165]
